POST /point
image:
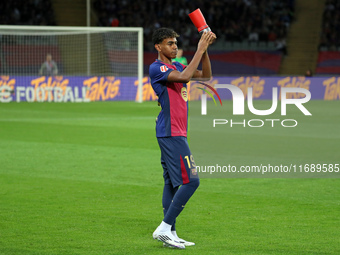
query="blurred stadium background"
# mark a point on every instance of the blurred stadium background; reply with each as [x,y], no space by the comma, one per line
[85,178]
[247,30]
[255,37]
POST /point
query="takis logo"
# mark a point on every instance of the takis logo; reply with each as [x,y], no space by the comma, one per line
[238,104]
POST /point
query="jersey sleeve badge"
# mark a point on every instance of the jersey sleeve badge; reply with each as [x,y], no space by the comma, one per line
[164,68]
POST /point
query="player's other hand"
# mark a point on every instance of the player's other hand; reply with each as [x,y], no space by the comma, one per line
[207,39]
[212,37]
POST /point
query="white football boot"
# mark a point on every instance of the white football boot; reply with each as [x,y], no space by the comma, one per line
[168,239]
[182,241]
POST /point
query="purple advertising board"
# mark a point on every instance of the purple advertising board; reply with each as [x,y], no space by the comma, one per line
[111,88]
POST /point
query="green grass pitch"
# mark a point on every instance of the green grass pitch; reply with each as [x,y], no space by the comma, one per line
[87,179]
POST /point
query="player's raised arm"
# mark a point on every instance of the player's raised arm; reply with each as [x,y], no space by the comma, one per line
[190,71]
[205,73]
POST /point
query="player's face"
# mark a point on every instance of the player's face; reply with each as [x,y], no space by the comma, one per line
[169,47]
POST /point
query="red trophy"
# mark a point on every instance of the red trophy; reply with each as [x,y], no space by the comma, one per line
[199,21]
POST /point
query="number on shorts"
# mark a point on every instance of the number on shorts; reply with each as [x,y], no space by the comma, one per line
[190,161]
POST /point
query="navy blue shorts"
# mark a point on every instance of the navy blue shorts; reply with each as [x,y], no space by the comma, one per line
[178,163]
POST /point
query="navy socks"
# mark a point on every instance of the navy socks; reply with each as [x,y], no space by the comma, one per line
[179,200]
[168,194]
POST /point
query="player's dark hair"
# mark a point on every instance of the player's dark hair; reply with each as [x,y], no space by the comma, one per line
[163,33]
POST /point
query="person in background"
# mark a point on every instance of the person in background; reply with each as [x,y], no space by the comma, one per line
[180,58]
[309,73]
[49,67]
[281,46]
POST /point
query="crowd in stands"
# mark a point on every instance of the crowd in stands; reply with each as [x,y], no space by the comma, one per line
[29,12]
[231,20]
[330,35]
